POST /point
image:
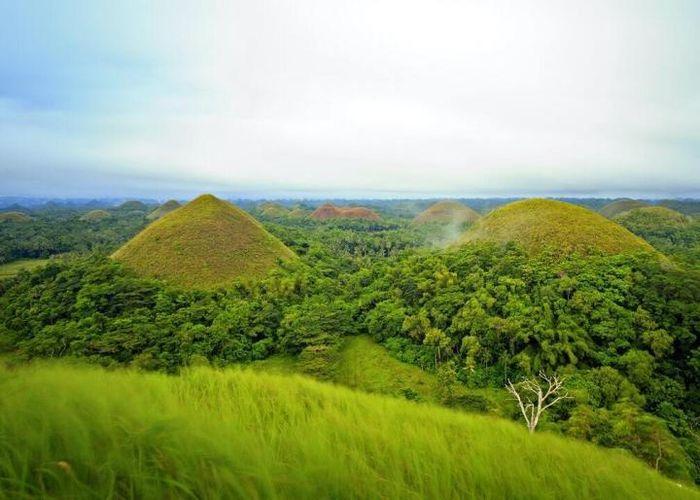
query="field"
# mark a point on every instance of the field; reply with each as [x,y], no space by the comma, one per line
[12,268]
[77,432]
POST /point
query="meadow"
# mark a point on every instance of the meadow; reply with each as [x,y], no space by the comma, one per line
[70,431]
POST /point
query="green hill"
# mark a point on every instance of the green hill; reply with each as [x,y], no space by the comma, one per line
[75,432]
[204,244]
[133,205]
[14,217]
[547,225]
[622,205]
[95,216]
[447,211]
[270,209]
[652,219]
[164,209]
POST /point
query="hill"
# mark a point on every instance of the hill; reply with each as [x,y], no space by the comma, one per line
[270,209]
[447,211]
[164,209]
[133,205]
[330,211]
[298,212]
[540,225]
[622,205]
[14,217]
[652,219]
[95,216]
[77,432]
[204,244]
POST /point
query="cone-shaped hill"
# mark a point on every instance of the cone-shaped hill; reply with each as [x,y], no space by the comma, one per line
[204,244]
[548,225]
[622,205]
[164,209]
[95,216]
[14,217]
[330,211]
[652,219]
[271,209]
[133,205]
[447,211]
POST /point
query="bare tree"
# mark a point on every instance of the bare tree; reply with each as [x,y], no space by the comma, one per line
[534,397]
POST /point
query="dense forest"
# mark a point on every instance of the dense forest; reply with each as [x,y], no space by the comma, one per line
[622,329]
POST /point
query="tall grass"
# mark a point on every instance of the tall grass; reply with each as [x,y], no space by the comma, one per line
[76,432]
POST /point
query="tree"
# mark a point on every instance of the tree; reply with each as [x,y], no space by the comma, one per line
[534,398]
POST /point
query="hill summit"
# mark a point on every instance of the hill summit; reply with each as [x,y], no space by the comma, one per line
[540,225]
[164,209]
[204,244]
[330,211]
[622,205]
[447,211]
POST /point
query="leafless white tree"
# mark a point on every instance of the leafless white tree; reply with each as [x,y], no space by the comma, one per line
[536,394]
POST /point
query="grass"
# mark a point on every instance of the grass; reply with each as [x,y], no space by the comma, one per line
[547,225]
[164,209]
[76,432]
[204,244]
[652,219]
[623,205]
[447,211]
[95,216]
[14,217]
[12,268]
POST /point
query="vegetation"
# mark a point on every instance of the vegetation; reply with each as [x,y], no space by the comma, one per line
[16,217]
[205,244]
[164,209]
[447,211]
[13,268]
[554,226]
[73,432]
[622,205]
[133,205]
[273,209]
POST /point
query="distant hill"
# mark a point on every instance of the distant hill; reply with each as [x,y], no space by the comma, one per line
[540,225]
[330,211]
[164,209]
[133,205]
[447,211]
[95,215]
[273,209]
[298,212]
[622,205]
[13,216]
[652,219]
[204,244]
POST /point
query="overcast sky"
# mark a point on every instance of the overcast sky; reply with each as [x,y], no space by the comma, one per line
[350,98]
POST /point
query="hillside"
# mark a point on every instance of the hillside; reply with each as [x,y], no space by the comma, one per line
[270,209]
[330,211]
[447,211]
[204,244]
[619,206]
[14,217]
[75,432]
[164,209]
[95,216]
[540,225]
[652,219]
[133,205]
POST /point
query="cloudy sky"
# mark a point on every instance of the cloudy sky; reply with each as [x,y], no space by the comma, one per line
[350,98]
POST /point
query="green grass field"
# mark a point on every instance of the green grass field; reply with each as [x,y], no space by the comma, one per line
[76,432]
[12,268]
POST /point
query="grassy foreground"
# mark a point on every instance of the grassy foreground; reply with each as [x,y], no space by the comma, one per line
[76,432]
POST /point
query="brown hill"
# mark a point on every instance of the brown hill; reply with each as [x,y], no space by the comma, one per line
[164,209]
[447,211]
[330,211]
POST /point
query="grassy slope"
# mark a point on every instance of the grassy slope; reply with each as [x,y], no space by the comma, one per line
[11,268]
[164,209]
[14,217]
[95,215]
[652,218]
[79,432]
[447,211]
[540,225]
[618,206]
[204,244]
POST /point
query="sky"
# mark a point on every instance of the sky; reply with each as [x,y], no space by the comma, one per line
[362,98]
